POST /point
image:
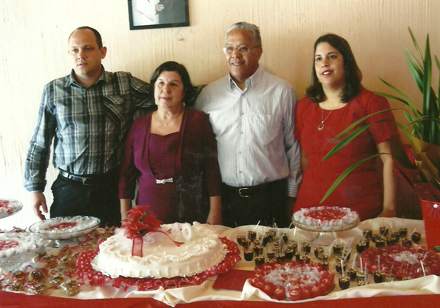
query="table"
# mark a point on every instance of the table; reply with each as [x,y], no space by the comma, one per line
[13,300]
[420,292]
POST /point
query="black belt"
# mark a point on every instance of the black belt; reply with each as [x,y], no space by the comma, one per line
[253,191]
[84,179]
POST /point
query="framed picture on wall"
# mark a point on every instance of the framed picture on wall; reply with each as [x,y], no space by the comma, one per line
[150,14]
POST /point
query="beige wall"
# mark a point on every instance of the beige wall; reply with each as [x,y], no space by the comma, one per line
[34,35]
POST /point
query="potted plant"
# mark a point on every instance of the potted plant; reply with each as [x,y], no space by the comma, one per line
[423,130]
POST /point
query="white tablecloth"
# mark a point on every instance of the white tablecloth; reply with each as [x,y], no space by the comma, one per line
[205,292]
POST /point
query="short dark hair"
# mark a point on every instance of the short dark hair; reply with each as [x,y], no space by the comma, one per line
[95,32]
[352,73]
[172,66]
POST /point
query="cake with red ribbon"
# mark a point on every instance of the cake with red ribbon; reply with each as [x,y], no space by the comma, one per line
[143,247]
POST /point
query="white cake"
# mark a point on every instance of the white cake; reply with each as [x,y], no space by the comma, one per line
[200,251]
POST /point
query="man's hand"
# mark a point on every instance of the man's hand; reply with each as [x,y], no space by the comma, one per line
[290,205]
[38,200]
[159,7]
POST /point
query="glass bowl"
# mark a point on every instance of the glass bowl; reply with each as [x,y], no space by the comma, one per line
[9,207]
[53,228]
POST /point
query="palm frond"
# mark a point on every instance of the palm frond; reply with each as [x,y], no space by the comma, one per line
[356,123]
[345,174]
[415,43]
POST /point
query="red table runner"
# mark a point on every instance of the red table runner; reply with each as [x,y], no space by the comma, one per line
[14,300]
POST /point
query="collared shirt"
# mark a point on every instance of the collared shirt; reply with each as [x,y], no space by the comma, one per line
[254,129]
[88,125]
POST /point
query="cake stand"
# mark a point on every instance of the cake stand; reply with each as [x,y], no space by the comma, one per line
[52,229]
[325,235]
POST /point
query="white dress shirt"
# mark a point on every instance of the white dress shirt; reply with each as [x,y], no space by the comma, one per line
[254,129]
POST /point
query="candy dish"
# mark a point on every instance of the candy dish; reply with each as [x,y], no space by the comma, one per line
[292,280]
[312,228]
[19,247]
[62,228]
[9,207]
[325,219]
[402,262]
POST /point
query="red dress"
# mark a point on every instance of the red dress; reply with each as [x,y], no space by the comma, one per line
[362,190]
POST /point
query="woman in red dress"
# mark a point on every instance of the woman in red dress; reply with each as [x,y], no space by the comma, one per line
[334,101]
[171,154]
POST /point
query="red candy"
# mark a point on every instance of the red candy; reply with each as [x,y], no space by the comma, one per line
[402,261]
[327,215]
[279,293]
[63,225]
[5,204]
[7,244]
[292,280]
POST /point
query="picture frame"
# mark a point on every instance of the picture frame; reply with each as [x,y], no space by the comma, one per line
[152,14]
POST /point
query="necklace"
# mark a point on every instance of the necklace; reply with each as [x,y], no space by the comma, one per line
[171,120]
[321,126]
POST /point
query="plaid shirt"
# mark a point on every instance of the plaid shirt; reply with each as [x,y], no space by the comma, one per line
[88,125]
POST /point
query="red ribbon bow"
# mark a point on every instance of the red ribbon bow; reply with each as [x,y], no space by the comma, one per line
[138,223]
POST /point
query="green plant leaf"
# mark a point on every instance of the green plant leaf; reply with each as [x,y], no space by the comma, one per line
[412,60]
[352,136]
[427,127]
[415,69]
[415,43]
[353,125]
[346,141]
[390,96]
[417,128]
[406,99]
[345,174]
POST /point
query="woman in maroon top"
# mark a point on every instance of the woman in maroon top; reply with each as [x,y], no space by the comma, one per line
[335,100]
[171,154]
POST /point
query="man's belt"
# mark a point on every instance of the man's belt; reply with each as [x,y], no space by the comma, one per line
[253,191]
[85,180]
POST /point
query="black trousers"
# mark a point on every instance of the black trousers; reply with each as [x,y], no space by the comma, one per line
[99,198]
[266,203]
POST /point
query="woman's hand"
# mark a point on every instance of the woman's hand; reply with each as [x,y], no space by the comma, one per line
[125,206]
[215,211]
[389,181]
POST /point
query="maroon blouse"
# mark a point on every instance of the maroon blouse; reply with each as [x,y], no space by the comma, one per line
[196,174]
[162,151]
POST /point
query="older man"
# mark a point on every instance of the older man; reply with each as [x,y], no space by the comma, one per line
[252,114]
[87,113]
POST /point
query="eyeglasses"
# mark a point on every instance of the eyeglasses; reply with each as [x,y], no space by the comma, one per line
[240,49]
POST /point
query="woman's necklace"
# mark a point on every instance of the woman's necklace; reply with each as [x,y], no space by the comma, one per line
[321,126]
[171,120]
